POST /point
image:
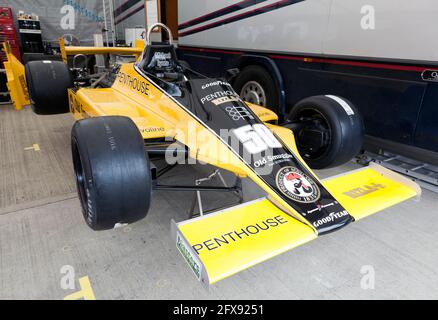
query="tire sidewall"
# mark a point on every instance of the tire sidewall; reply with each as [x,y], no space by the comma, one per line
[88,204]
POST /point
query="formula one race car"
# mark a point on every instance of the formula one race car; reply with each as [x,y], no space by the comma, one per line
[158,106]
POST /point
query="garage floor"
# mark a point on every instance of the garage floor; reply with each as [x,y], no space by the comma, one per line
[42,231]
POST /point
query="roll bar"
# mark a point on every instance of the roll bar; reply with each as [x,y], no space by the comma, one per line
[162,25]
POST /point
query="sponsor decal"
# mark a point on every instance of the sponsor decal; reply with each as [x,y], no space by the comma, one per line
[162,59]
[238,113]
[256,138]
[152,130]
[134,83]
[188,255]
[77,8]
[223,100]
[296,185]
[364,190]
[319,207]
[332,217]
[236,235]
[217,95]
[343,104]
[271,160]
[264,114]
[215,83]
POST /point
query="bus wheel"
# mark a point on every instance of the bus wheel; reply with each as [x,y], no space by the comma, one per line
[255,85]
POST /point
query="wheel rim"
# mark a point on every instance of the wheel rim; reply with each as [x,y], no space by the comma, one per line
[253,92]
[313,122]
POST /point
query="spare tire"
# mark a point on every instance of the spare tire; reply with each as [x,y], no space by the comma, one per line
[328,130]
[112,171]
[48,82]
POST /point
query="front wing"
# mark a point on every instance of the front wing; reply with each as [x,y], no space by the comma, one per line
[221,244]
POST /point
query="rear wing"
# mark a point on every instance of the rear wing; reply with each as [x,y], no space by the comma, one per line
[15,71]
[224,243]
[72,51]
[16,79]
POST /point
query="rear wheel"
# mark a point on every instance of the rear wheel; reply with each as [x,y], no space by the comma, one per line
[48,82]
[112,171]
[328,130]
[255,85]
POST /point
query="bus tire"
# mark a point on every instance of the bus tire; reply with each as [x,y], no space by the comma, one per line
[255,85]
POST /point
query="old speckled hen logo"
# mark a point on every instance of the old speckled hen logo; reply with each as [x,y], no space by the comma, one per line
[297,186]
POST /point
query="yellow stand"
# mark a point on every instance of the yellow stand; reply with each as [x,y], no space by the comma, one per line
[16,79]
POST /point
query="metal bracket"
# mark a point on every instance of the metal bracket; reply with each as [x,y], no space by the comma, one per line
[237,188]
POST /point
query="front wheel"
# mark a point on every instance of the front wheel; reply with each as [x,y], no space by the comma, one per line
[328,130]
[112,171]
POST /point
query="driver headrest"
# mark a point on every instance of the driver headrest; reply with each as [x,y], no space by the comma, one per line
[160,57]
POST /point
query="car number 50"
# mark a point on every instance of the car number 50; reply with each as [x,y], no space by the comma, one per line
[256,138]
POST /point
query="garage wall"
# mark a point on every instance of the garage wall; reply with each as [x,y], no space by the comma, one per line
[128,14]
[82,18]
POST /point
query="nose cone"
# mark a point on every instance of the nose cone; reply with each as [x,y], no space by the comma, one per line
[340,223]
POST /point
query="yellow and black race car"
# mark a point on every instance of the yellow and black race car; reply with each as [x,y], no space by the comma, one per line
[158,106]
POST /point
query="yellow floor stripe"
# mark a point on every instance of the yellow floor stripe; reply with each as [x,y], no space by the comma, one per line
[86,292]
[34,147]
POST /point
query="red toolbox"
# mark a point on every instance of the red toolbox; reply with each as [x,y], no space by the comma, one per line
[8,32]
[6,14]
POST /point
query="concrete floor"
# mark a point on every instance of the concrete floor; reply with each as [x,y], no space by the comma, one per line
[42,230]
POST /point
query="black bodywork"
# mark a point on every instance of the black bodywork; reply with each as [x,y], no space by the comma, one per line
[398,105]
[215,104]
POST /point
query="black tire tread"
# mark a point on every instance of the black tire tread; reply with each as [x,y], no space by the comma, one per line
[48,83]
[116,170]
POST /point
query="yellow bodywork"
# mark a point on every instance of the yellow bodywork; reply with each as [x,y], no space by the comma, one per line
[369,190]
[71,51]
[224,243]
[16,79]
[362,192]
[237,238]
[157,116]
